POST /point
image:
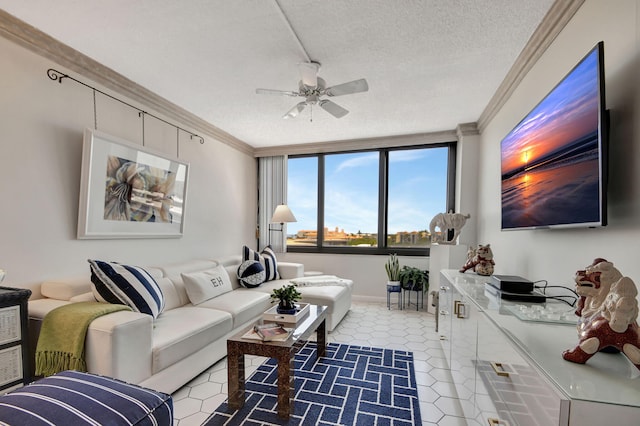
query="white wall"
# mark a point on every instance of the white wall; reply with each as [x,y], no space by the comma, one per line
[41,127]
[555,255]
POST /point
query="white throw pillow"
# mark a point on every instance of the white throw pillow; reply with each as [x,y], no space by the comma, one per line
[205,285]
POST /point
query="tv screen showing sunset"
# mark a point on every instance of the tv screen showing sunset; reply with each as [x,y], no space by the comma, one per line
[550,160]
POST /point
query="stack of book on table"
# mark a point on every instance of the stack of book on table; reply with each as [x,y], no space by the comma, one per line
[268,332]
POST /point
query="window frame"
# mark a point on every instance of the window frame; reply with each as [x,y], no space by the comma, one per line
[383,191]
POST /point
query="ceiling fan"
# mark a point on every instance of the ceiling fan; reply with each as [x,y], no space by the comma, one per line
[312,88]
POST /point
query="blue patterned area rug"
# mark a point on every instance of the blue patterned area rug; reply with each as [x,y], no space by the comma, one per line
[352,385]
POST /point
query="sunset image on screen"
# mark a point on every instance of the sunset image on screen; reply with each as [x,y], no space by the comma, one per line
[552,149]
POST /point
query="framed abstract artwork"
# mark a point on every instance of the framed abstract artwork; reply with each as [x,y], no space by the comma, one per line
[128,191]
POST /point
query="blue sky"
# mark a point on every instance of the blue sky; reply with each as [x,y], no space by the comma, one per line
[417,188]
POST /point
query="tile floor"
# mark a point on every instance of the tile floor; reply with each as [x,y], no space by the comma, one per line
[367,324]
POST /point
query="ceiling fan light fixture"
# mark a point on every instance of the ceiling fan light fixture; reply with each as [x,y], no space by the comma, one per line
[312,88]
[309,73]
[293,112]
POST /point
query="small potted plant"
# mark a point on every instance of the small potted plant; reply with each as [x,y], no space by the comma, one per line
[287,296]
[415,279]
[393,273]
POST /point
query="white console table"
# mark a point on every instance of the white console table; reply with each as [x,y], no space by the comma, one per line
[509,371]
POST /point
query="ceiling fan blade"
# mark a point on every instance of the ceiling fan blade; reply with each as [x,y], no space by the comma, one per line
[276,92]
[332,108]
[309,73]
[293,112]
[355,86]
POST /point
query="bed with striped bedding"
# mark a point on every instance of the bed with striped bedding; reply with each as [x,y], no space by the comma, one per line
[76,398]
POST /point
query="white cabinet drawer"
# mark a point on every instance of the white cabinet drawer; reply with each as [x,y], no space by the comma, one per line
[508,388]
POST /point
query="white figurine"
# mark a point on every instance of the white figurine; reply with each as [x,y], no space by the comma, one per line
[446,221]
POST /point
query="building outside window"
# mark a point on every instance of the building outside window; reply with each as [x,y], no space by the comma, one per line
[373,201]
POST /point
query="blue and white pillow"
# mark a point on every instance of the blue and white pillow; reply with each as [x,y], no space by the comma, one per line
[251,273]
[267,258]
[126,285]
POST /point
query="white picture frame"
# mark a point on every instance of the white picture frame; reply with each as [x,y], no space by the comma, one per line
[129,191]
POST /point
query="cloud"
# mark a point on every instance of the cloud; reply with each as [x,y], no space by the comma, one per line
[404,156]
[359,161]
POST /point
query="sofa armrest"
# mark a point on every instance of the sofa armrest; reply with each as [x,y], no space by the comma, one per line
[119,345]
[288,270]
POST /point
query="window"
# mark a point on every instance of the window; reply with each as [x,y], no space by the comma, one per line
[374,201]
[302,190]
[417,192]
[351,200]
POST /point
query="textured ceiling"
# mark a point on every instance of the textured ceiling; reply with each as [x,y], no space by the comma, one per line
[430,64]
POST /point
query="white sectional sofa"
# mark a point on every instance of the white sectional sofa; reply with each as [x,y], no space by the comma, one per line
[185,339]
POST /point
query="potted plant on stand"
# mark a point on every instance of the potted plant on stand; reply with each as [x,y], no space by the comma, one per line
[414,279]
[287,295]
[393,273]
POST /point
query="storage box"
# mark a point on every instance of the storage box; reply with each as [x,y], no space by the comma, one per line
[273,315]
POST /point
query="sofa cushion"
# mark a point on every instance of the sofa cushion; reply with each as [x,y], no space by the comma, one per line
[171,294]
[322,295]
[65,289]
[181,332]
[326,295]
[126,285]
[268,259]
[173,272]
[206,284]
[243,304]
[84,297]
[288,270]
[251,273]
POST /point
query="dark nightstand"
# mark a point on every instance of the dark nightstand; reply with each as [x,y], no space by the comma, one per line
[14,351]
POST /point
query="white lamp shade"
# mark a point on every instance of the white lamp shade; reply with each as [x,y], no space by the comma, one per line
[283,214]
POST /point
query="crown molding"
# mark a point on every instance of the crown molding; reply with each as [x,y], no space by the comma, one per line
[36,41]
[553,23]
[359,144]
[467,129]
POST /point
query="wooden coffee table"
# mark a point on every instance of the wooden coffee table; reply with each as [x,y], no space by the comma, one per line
[283,352]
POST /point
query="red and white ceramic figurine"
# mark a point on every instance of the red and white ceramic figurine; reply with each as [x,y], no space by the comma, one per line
[608,311]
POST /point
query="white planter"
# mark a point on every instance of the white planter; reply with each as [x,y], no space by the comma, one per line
[393,286]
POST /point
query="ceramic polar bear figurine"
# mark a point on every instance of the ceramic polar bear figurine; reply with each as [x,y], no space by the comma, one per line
[445,222]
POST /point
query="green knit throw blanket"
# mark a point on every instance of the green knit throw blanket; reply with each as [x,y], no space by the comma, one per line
[61,341]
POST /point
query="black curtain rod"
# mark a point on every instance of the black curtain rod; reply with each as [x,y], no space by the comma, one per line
[58,76]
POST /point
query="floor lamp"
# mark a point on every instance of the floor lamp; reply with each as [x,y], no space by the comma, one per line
[281,215]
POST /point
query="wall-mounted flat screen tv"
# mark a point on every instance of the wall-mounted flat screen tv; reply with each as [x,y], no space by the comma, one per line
[553,163]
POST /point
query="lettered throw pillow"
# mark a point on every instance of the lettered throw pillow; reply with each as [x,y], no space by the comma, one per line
[267,258]
[251,273]
[126,285]
[205,285]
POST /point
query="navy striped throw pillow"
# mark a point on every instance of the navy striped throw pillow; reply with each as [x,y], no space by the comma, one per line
[268,259]
[126,285]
